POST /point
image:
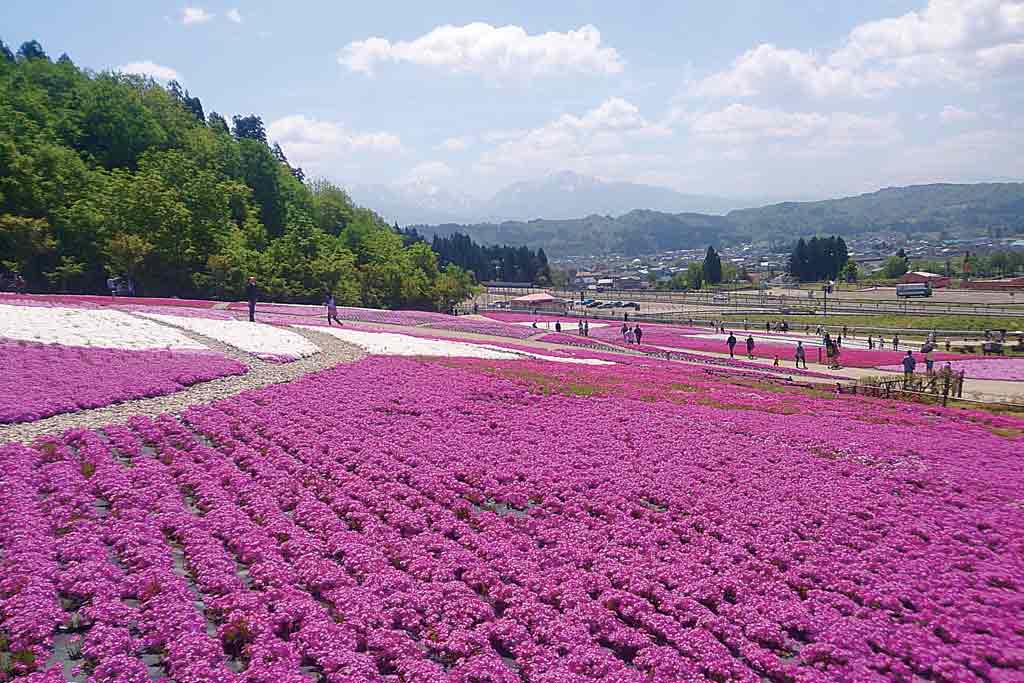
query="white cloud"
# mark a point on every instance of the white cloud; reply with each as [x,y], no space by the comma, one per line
[156,71]
[747,131]
[944,26]
[602,141]
[315,143]
[429,172]
[960,40]
[234,15]
[490,50]
[953,114]
[770,67]
[195,15]
[455,144]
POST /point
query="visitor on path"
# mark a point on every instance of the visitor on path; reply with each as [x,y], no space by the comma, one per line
[581,328]
[252,293]
[830,351]
[632,335]
[750,346]
[586,328]
[929,363]
[112,286]
[871,343]
[837,352]
[881,343]
[908,365]
[839,341]
[896,342]
[745,324]
[558,326]
[767,326]
[731,341]
[844,330]
[625,330]
[776,363]
[476,308]
[332,309]
[625,317]
[801,354]
[638,333]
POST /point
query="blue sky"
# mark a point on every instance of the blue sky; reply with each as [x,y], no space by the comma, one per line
[747,98]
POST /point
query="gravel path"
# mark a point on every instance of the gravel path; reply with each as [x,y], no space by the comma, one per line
[261,373]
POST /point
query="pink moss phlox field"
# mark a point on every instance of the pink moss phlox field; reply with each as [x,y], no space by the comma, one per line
[1011,369]
[494,329]
[40,380]
[520,522]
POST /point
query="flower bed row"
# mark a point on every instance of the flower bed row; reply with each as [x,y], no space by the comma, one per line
[40,380]
[510,522]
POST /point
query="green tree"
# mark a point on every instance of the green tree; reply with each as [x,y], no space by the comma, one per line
[894,266]
[694,275]
[249,128]
[66,273]
[850,272]
[712,268]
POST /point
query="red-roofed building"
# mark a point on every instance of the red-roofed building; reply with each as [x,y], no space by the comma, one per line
[923,277]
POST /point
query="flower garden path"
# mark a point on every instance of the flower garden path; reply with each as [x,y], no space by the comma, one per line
[260,373]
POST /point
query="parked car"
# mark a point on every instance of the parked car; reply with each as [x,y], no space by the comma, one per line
[594,304]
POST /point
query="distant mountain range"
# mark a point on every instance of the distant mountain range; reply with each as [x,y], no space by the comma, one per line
[958,210]
[557,196]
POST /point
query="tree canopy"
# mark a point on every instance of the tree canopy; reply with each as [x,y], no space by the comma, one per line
[112,174]
[820,258]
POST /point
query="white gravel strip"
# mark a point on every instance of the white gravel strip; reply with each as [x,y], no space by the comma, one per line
[392,344]
[256,338]
[99,328]
[260,374]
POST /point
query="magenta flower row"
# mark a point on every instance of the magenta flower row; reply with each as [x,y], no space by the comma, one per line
[469,524]
[40,380]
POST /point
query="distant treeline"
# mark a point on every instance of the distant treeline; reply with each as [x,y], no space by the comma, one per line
[505,263]
[946,211]
[107,174]
[816,259]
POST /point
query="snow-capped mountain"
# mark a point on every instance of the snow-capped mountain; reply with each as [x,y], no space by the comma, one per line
[559,195]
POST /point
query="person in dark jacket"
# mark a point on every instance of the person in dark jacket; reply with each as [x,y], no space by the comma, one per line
[332,309]
[639,333]
[750,346]
[731,341]
[252,292]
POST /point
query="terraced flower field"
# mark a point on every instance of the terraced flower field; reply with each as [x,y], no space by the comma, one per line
[509,521]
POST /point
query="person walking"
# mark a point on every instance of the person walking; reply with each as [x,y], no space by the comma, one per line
[580,325]
[767,326]
[731,341]
[631,335]
[638,333]
[801,354]
[750,346]
[586,328]
[871,343]
[332,309]
[252,292]
[908,365]
[929,363]
[895,342]
[558,326]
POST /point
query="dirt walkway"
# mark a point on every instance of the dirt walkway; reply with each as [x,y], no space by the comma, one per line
[261,373]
